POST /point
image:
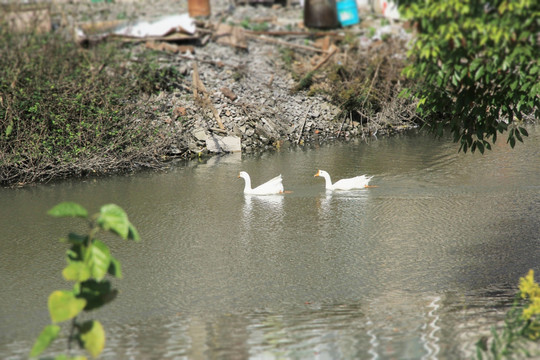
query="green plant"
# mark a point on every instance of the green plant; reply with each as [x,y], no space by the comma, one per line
[247,24]
[88,262]
[477,67]
[69,110]
[121,16]
[287,56]
[521,325]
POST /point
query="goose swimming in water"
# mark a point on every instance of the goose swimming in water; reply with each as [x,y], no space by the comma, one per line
[273,186]
[358,182]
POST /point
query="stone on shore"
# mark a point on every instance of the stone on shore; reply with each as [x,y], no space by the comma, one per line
[220,144]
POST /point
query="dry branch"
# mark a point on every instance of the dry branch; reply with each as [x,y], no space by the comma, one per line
[199,86]
[284,43]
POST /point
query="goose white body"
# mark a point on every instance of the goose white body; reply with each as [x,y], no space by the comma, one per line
[271,187]
[358,182]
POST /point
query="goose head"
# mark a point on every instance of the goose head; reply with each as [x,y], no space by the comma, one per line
[243,175]
[321,173]
[326,176]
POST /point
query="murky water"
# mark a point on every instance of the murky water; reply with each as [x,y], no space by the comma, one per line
[418,267]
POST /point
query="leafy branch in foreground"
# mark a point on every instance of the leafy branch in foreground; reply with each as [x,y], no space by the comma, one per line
[521,325]
[88,262]
[477,64]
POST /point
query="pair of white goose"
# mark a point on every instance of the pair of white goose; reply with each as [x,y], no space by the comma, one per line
[275,185]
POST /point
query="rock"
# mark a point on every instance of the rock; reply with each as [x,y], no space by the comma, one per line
[193,147]
[199,134]
[218,144]
[237,130]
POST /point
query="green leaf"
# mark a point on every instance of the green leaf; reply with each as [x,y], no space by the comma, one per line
[93,337]
[68,209]
[97,294]
[480,147]
[512,141]
[479,73]
[47,336]
[518,136]
[9,129]
[75,252]
[98,258]
[113,218]
[474,64]
[76,271]
[63,305]
[133,233]
[523,131]
[115,269]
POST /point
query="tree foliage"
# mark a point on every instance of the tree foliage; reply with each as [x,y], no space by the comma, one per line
[477,66]
[88,262]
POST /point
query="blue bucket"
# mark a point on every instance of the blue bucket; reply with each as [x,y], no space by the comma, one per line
[347,12]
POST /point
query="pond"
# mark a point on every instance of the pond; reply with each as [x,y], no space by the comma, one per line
[418,267]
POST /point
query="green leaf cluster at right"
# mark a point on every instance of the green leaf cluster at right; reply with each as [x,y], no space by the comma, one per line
[476,64]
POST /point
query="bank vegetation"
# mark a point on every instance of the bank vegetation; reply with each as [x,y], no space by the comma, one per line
[68,110]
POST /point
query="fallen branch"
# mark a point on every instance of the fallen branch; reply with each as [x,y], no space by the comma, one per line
[211,62]
[333,49]
[307,80]
[294,33]
[285,43]
[371,84]
[303,126]
[199,86]
[167,47]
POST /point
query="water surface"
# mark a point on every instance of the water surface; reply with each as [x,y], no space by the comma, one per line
[418,267]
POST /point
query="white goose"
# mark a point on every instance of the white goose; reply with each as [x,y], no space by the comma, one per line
[271,187]
[358,182]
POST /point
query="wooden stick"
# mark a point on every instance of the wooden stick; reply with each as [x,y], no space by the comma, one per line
[199,86]
[285,43]
[293,33]
[303,125]
[332,51]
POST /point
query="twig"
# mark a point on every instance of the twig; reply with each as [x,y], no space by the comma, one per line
[307,80]
[341,127]
[271,81]
[293,33]
[218,130]
[333,49]
[303,125]
[285,43]
[199,86]
[371,85]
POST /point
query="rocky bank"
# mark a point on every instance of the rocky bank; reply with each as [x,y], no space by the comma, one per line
[247,102]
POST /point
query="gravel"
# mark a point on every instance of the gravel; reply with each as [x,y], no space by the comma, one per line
[249,89]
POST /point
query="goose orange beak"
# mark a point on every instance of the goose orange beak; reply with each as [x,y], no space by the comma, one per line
[318,173]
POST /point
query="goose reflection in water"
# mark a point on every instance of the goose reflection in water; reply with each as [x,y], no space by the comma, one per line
[354,199]
[262,210]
